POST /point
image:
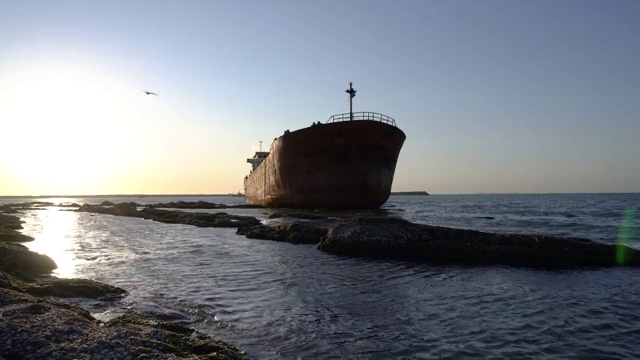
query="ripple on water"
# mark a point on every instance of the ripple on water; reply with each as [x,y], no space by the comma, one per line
[280,300]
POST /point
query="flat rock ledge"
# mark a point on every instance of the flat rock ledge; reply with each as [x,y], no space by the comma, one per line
[292,233]
[220,219]
[394,238]
[385,237]
[201,205]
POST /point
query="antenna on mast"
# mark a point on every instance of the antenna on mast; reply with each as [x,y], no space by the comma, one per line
[260,145]
[352,93]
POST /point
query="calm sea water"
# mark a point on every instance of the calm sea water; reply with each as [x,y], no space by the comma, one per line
[284,301]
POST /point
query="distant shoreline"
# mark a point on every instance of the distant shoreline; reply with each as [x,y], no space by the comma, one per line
[409,193]
[396,193]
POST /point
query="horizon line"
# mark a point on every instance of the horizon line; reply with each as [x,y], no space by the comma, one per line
[238,195]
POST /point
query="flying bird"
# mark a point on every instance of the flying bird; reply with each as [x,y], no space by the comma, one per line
[149,93]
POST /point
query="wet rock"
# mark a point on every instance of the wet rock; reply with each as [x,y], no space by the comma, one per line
[16,258]
[123,209]
[72,205]
[177,339]
[14,236]
[52,286]
[298,215]
[292,233]
[220,219]
[394,238]
[8,210]
[44,328]
[200,205]
[10,222]
[8,226]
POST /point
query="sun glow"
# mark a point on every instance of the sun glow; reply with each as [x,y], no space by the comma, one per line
[67,130]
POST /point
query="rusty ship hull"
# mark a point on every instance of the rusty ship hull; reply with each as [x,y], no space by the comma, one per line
[347,164]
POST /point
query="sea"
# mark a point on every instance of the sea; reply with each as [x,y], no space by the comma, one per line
[277,300]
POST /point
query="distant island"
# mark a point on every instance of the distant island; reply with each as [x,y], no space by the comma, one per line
[409,193]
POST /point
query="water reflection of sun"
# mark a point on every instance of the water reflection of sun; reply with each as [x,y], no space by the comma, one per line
[55,239]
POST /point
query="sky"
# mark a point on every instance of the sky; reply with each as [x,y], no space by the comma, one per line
[495,96]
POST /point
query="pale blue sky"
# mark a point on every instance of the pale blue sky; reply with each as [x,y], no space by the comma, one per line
[494,96]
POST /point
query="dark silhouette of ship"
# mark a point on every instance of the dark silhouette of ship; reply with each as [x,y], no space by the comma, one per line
[347,162]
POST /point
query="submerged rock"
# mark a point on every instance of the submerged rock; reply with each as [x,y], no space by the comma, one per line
[394,238]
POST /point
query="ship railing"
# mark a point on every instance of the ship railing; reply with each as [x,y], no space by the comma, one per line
[364,115]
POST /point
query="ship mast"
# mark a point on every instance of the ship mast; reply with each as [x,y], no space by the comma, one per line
[352,93]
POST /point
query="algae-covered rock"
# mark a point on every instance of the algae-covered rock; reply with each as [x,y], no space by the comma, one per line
[292,233]
[303,215]
[123,209]
[200,205]
[52,286]
[44,328]
[175,339]
[219,219]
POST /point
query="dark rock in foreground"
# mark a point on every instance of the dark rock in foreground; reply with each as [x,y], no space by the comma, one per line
[36,326]
[14,236]
[52,286]
[8,226]
[10,222]
[292,233]
[393,238]
[43,328]
[16,258]
[7,209]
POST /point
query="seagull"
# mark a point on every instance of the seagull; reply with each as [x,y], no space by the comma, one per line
[149,93]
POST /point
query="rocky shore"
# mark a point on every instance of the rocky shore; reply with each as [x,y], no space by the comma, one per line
[36,324]
[376,234]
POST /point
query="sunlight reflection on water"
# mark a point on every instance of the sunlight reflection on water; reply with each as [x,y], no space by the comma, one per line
[282,301]
[55,239]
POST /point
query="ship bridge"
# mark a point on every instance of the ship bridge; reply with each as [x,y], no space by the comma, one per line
[257,158]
